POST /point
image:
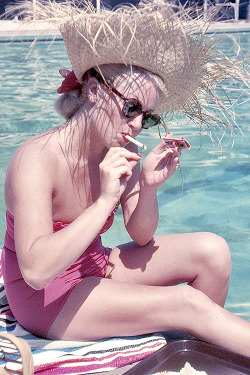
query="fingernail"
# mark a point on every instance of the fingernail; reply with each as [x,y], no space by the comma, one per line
[139,154]
[177,145]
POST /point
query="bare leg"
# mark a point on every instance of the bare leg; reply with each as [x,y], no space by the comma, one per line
[132,303]
[101,308]
[201,259]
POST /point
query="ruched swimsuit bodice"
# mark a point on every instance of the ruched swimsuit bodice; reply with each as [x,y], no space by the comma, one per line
[34,309]
[9,241]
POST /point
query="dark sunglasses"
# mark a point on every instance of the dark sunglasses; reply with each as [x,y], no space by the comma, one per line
[132,107]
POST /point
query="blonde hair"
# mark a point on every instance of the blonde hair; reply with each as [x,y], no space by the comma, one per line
[69,103]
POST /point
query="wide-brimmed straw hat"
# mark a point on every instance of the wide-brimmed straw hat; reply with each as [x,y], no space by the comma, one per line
[151,37]
[156,36]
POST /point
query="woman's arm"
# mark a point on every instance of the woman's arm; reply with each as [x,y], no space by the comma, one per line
[42,254]
[141,212]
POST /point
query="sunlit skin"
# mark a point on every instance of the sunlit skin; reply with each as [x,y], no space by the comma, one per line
[140,293]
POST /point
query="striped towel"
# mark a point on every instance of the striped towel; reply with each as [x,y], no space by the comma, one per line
[73,357]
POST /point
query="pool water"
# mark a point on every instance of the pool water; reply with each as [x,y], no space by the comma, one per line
[210,192]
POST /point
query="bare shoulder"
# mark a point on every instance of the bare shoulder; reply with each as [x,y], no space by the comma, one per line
[38,146]
[33,166]
[37,152]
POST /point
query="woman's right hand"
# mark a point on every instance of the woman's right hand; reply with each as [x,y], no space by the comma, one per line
[115,172]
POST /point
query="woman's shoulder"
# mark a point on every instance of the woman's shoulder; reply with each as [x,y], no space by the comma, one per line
[39,149]
[36,158]
[33,168]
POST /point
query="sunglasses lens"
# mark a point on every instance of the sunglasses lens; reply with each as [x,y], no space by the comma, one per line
[150,120]
[132,108]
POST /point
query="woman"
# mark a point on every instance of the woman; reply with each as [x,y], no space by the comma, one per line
[63,188]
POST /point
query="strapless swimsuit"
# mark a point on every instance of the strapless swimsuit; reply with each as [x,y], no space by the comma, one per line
[36,310]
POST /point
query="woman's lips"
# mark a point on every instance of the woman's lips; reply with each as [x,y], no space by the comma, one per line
[124,137]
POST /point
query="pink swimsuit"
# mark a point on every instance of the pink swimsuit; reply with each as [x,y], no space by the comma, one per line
[36,310]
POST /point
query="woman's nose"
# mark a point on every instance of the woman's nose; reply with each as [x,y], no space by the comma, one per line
[136,122]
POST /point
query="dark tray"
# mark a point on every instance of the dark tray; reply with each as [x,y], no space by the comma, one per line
[201,356]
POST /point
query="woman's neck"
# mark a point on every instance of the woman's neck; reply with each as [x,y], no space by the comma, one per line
[79,143]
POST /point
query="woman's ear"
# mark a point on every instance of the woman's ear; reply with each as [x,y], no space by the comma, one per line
[92,86]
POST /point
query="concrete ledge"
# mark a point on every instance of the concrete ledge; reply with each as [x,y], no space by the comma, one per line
[15,29]
[229,27]
[18,30]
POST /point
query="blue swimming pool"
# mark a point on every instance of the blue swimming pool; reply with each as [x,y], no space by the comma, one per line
[210,194]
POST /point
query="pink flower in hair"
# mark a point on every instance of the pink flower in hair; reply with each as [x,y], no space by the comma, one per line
[69,83]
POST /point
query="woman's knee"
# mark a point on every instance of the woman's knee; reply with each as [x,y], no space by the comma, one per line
[195,308]
[215,254]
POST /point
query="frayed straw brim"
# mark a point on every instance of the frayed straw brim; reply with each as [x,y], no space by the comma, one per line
[155,36]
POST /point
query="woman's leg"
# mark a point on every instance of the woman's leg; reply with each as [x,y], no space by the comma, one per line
[99,308]
[200,259]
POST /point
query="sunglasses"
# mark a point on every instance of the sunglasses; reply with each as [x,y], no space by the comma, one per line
[133,108]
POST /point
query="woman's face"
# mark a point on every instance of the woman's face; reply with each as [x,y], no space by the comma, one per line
[108,122]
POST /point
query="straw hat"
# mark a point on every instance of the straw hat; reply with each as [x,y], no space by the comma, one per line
[156,36]
[149,37]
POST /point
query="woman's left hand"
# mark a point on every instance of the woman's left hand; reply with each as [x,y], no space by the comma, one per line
[159,165]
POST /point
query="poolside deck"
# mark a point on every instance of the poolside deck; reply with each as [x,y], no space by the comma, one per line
[13,29]
[8,29]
